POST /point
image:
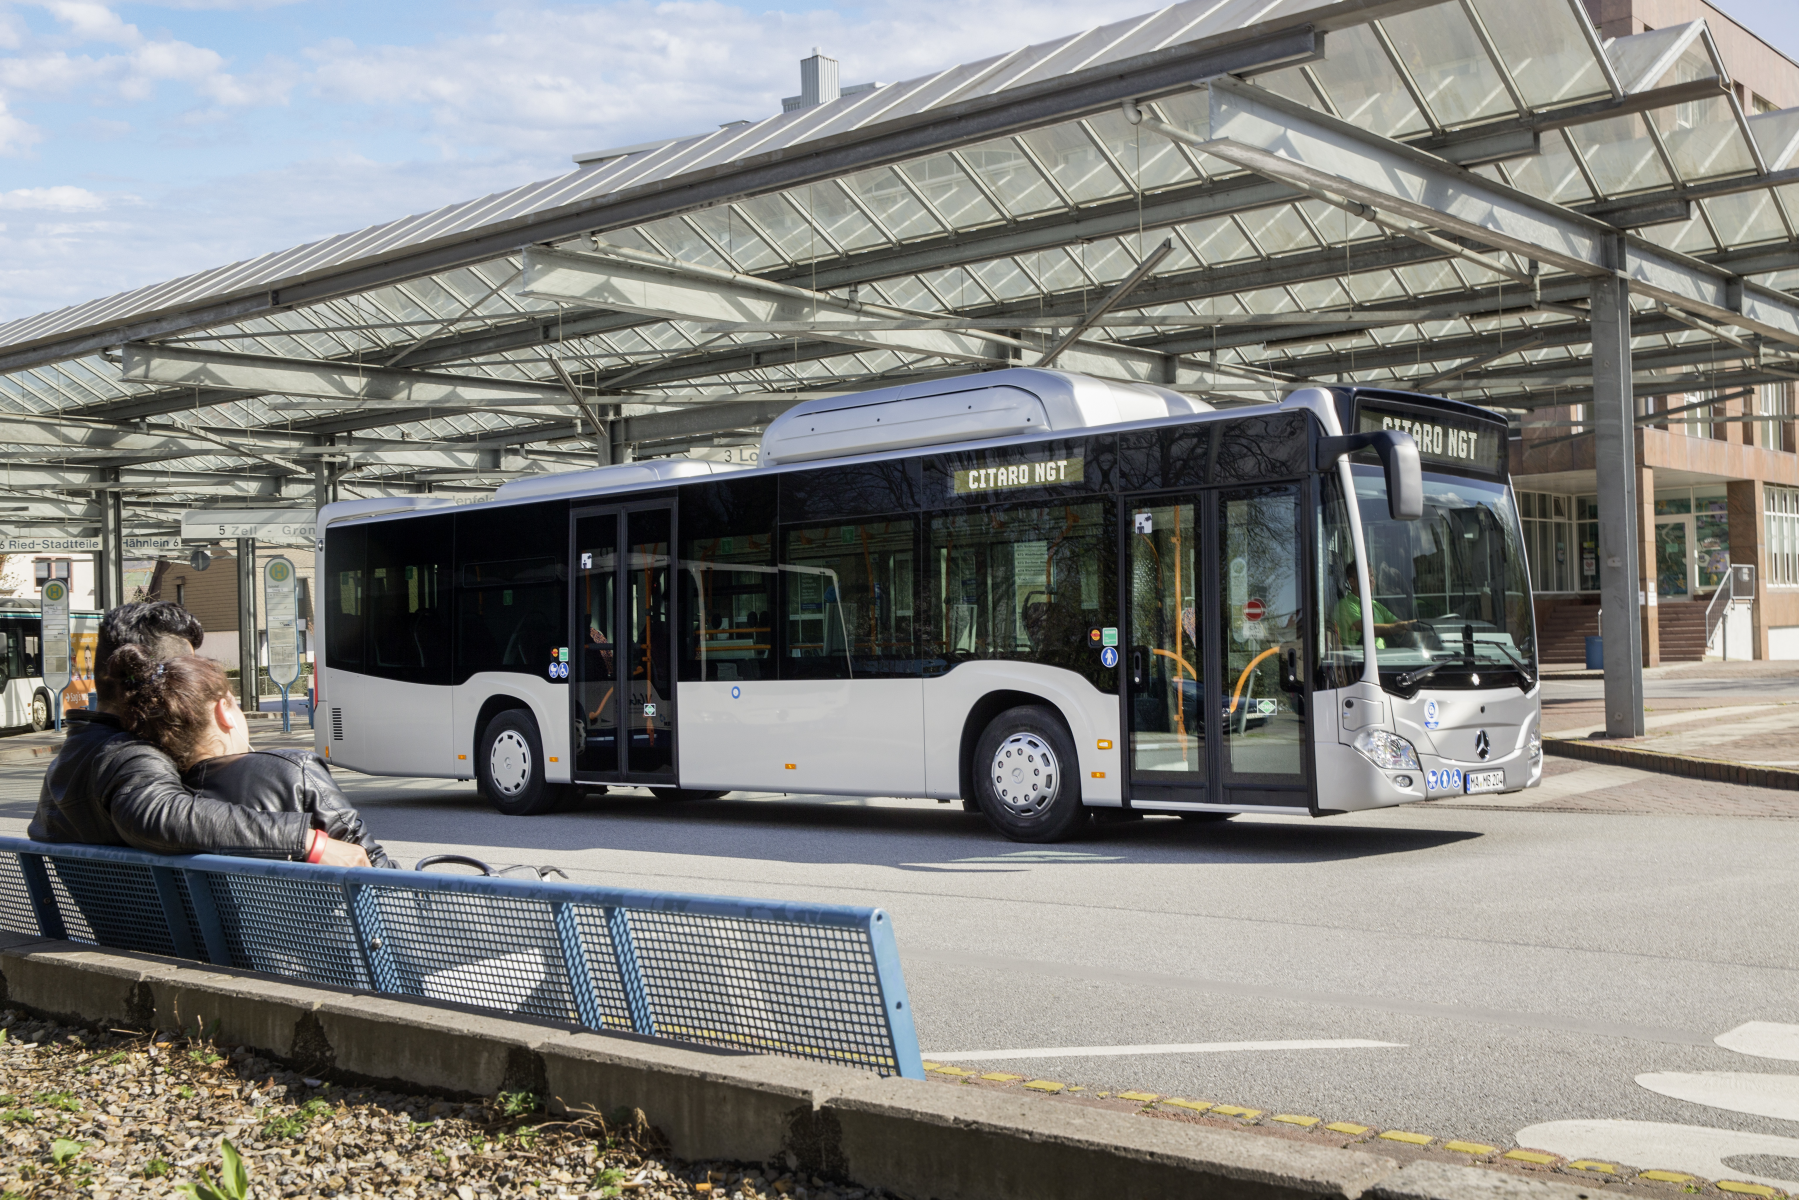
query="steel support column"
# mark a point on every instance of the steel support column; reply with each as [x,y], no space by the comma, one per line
[110,562]
[1615,440]
[248,693]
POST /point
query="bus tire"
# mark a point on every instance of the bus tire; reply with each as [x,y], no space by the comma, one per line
[509,766]
[1027,778]
[41,706]
[677,793]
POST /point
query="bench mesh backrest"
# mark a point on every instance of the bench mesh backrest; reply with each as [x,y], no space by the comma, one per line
[810,981]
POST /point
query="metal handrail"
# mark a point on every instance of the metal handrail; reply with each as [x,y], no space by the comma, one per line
[1739,584]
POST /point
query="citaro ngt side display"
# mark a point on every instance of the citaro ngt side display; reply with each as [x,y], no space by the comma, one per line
[1036,592]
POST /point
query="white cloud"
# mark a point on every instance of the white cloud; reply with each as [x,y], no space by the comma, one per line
[15,134]
[62,198]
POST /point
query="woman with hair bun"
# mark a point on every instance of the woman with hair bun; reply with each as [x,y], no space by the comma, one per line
[185,705]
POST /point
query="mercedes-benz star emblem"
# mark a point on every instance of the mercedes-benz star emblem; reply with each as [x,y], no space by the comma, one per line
[1482,747]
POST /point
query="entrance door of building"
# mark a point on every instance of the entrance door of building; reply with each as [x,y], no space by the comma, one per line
[1674,559]
[623,644]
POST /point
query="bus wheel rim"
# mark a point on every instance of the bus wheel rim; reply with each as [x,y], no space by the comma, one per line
[1026,776]
[509,763]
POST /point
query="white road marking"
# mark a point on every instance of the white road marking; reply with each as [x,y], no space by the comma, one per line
[1652,1144]
[1763,1039]
[1178,1048]
[1762,1095]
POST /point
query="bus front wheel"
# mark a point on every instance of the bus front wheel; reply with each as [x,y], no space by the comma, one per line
[509,766]
[40,711]
[1027,778]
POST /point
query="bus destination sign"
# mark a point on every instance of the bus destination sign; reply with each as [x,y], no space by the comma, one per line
[1443,440]
[1051,473]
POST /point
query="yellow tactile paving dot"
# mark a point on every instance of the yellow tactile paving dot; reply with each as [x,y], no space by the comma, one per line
[1045,1085]
[1195,1105]
[1001,1077]
[1410,1139]
[1530,1156]
[1469,1147]
[1140,1097]
[1745,1189]
[1231,1110]
[1587,1164]
[1349,1127]
[1666,1176]
[1294,1119]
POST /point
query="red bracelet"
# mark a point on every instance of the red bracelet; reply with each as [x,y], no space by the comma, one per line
[316,851]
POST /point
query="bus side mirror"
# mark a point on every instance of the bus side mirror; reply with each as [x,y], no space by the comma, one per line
[1398,459]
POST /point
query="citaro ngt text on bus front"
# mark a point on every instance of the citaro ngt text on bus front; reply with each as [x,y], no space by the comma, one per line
[1441,442]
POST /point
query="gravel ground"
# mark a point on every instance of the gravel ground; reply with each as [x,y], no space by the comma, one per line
[101,1114]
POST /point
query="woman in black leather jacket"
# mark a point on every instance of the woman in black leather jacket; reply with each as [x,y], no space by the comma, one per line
[185,705]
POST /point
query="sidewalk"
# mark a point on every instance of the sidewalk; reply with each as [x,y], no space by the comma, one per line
[24,748]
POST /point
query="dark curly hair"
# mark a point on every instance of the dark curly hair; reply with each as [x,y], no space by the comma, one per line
[163,628]
[167,702]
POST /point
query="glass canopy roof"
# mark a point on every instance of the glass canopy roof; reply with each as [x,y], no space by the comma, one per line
[1013,238]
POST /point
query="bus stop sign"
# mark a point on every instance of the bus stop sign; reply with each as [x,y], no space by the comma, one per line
[281,604]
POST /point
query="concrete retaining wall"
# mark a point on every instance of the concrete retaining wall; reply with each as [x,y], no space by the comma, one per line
[917,1139]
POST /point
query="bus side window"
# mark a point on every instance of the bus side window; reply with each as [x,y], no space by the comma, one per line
[727,580]
[511,588]
[851,599]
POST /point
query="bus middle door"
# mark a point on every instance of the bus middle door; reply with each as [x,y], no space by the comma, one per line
[622,664]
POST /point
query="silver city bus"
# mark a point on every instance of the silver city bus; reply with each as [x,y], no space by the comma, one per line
[1040,593]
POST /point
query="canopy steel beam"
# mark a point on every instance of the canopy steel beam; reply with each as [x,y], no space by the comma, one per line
[262,375]
[1282,140]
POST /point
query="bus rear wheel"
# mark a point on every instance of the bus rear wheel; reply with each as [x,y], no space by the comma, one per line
[1026,776]
[40,711]
[509,766]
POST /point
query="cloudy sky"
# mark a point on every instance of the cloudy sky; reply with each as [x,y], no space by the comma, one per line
[140,141]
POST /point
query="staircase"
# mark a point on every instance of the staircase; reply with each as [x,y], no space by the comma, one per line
[1683,630]
[1563,629]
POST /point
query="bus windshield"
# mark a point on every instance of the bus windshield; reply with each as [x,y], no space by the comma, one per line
[1451,598]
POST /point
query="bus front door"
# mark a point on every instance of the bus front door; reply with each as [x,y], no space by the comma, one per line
[622,665]
[1214,697]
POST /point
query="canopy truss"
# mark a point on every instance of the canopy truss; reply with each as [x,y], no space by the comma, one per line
[1230,197]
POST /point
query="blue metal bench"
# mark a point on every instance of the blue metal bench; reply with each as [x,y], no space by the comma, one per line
[816,981]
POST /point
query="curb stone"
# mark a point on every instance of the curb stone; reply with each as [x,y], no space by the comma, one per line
[1715,770]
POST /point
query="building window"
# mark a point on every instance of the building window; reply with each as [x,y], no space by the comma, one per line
[181,595]
[1783,536]
[1549,540]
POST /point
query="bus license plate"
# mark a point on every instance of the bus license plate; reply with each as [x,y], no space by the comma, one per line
[1485,781]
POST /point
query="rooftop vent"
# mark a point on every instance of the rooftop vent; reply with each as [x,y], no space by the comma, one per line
[818,84]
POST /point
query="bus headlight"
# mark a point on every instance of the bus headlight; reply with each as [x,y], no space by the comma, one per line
[1535,742]
[1388,751]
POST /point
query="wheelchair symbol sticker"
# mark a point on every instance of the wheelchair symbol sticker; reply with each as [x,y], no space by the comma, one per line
[1108,657]
[558,670]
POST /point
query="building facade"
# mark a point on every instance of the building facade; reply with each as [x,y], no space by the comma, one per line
[1717,470]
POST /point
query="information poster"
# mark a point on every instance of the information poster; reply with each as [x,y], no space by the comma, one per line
[280,599]
[58,668]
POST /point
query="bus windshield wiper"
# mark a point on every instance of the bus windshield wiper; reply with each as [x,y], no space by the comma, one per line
[1424,672]
[1517,660]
